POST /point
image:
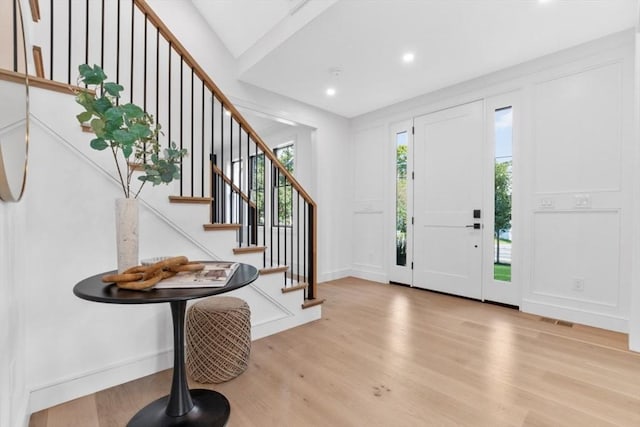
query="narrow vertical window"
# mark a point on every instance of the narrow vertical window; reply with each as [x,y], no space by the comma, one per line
[256,184]
[284,190]
[402,141]
[503,131]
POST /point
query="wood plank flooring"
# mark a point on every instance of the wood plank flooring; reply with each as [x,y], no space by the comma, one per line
[392,356]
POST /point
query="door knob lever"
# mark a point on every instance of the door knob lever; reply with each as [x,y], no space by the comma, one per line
[475,226]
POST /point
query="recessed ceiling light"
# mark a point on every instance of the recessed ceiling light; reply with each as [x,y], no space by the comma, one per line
[330,91]
[227,112]
[544,1]
[408,57]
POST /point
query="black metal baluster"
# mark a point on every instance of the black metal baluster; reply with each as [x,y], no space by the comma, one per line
[181,114]
[304,242]
[118,46]
[102,37]
[144,68]
[264,208]
[231,212]
[86,33]
[169,104]
[14,17]
[223,213]
[192,139]
[212,157]
[291,230]
[69,47]
[133,20]
[278,210]
[297,240]
[204,158]
[310,279]
[158,79]
[51,40]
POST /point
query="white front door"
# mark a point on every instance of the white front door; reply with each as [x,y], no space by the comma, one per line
[448,195]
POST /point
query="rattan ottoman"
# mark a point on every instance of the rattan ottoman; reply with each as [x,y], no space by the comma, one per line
[218,332]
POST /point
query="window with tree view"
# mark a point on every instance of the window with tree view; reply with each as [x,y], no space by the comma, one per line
[503,131]
[283,215]
[256,184]
[402,147]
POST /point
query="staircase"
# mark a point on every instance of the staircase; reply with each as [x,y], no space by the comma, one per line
[234,200]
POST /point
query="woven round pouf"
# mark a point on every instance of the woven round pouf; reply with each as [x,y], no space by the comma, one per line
[218,331]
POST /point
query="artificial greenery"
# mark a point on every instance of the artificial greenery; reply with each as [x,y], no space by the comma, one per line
[127,130]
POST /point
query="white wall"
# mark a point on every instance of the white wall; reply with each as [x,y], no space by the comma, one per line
[634,321]
[577,140]
[13,366]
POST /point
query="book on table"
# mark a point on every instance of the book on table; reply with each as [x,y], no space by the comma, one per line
[215,274]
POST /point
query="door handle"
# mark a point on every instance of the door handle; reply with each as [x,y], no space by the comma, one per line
[475,226]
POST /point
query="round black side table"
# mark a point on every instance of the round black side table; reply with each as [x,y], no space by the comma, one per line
[182,407]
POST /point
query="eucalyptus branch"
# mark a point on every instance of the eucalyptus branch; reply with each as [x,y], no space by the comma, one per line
[125,128]
[140,189]
[114,150]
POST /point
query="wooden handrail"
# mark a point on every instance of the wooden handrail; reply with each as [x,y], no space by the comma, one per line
[228,105]
[12,76]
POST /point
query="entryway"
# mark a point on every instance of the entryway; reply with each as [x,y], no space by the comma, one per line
[453,186]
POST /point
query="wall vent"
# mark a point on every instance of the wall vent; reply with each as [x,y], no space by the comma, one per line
[557,322]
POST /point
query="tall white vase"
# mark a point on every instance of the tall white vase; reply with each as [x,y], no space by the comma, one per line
[127,233]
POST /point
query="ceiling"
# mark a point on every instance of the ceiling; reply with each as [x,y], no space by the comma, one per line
[292,47]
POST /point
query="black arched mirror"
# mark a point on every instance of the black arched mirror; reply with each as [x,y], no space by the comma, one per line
[14,103]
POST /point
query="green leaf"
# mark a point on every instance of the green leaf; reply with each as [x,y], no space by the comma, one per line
[132,111]
[167,177]
[85,99]
[124,137]
[113,89]
[127,150]
[84,117]
[98,127]
[102,104]
[98,144]
[141,131]
[91,75]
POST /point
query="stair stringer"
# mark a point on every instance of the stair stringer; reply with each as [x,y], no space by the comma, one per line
[272,310]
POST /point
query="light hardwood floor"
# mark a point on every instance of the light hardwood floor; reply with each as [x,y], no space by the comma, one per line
[386,355]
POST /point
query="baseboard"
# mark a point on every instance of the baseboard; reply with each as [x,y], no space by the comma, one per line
[271,327]
[589,318]
[91,382]
[333,275]
[374,276]
[22,413]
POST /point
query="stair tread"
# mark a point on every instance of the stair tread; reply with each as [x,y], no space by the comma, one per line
[300,286]
[312,302]
[190,199]
[249,249]
[219,226]
[274,269]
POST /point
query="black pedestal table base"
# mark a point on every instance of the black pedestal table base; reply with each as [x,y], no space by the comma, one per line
[210,409]
[182,407]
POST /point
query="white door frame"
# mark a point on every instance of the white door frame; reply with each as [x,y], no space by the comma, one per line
[400,274]
[493,290]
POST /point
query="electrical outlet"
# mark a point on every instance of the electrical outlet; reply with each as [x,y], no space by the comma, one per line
[547,203]
[582,201]
[578,285]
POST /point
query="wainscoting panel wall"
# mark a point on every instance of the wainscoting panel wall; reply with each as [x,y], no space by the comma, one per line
[580,245]
[368,250]
[575,175]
